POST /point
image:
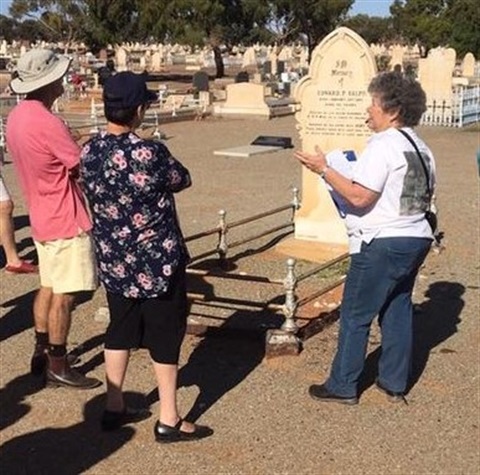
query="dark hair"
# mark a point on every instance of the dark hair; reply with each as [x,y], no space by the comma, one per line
[402,94]
[120,116]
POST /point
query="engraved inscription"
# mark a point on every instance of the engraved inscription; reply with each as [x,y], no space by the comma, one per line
[338,112]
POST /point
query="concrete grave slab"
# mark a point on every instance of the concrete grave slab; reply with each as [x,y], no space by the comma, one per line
[246,150]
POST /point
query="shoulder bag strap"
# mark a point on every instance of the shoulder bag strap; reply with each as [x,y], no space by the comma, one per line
[427,176]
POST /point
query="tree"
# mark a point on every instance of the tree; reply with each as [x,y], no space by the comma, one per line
[109,21]
[464,16]
[31,30]
[8,28]
[372,29]
[200,22]
[422,21]
[60,18]
[314,19]
[97,22]
[433,23]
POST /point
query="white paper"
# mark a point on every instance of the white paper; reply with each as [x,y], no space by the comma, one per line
[344,163]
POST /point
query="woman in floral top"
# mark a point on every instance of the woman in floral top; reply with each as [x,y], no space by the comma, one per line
[130,184]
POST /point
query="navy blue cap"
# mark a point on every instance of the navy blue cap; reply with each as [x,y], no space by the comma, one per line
[126,89]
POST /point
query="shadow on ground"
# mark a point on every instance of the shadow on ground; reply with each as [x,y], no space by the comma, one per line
[67,450]
[14,393]
[12,398]
[434,321]
[20,222]
[20,317]
[224,356]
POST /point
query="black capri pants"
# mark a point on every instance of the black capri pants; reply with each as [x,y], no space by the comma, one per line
[157,324]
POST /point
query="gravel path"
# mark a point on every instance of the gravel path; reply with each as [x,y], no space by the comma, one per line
[263,419]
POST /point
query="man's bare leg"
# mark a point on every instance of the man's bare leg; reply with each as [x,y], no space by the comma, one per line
[60,318]
[41,309]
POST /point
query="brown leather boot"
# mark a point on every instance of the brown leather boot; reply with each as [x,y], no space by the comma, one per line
[60,374]
[39,361]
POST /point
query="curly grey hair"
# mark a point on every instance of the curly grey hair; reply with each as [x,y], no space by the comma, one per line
[402,94]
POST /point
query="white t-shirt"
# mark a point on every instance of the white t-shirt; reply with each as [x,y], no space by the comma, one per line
[390,166]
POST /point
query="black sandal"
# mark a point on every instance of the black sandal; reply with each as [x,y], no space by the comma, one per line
[166,434]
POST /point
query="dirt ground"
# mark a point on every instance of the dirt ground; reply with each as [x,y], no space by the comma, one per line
[264,421]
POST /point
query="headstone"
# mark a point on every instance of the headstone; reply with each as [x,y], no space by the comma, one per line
[396,57]
[205,99]
[200,81]
[242,76]
[415,51]
[267,67]
[468,65]
[249,58]
[435,74]
[244,99]
[273,58]
[156,61]
[121,58]
[333,100]
[257,78]
[286,54]
[303,60]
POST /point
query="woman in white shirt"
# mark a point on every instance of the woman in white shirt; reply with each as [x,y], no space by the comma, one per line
[389,238]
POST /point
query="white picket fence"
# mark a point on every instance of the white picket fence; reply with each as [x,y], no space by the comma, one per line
[463,110]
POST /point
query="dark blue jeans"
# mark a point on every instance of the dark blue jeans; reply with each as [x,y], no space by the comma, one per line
[380,282]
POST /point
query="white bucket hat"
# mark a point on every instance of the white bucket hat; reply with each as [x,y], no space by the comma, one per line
[38,68]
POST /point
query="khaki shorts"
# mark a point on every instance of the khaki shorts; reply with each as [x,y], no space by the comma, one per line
[67,265]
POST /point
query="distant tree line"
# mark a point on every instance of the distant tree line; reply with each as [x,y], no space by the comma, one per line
[224,23]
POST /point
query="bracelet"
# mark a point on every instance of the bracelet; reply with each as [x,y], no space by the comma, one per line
[322,173]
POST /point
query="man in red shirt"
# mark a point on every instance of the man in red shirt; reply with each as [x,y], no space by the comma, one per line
[46,160]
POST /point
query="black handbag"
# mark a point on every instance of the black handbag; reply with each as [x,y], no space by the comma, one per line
[430,215]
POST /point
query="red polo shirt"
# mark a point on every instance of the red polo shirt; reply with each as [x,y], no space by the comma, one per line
[44,153]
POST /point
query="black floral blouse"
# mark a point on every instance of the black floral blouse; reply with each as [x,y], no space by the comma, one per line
[129,184]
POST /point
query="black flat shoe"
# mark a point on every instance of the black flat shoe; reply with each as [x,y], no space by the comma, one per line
[167,434]
[112,420]
[320,393]
[392,395]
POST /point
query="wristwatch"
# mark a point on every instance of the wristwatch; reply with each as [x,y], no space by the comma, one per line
[322,173]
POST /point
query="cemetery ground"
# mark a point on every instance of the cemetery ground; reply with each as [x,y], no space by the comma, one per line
[264,421]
